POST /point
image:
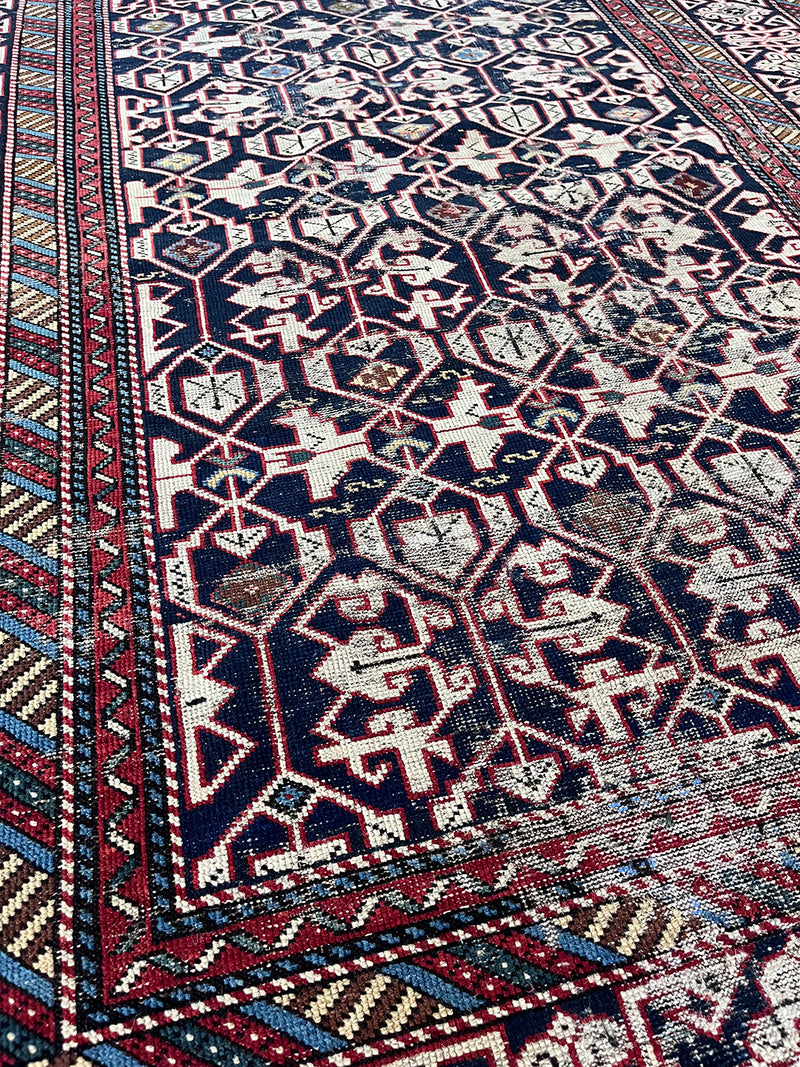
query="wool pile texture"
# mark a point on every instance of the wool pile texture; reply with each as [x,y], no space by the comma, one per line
[399,544]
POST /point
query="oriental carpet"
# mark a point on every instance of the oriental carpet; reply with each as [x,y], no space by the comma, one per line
[400,600]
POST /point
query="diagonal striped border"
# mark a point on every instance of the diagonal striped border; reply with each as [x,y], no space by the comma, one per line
[30,687]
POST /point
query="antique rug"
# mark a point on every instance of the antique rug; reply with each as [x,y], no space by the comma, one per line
[400,601]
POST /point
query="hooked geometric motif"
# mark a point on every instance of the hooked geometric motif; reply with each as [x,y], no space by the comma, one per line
[400,619]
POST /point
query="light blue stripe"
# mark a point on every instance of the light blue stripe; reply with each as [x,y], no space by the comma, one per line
[33,247]
[23,978]
[36,133]
[34,283]
[30,636]
[26,734]
[293,1025]
[19,548]
[35,155]
[590,950]
[34,427]
[38,51]
[433,985]
[31,850]
[35,111]
[23,368]
[32,487]
[29,211]
[109,1056]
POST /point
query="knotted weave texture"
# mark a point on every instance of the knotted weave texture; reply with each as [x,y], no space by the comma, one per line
[399,548]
